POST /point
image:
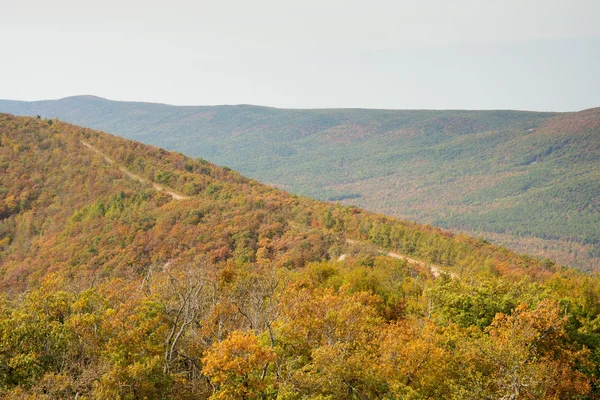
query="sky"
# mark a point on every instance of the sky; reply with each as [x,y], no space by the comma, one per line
[434,54]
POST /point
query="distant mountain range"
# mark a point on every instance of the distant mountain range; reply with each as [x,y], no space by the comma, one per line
[527,180]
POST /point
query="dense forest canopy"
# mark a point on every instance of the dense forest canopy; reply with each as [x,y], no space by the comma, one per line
[225,288]
[526,180]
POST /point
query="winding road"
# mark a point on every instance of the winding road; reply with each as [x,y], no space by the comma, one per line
[436,270]
[157,186]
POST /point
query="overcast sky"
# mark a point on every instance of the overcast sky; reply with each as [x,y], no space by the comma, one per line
[472,54]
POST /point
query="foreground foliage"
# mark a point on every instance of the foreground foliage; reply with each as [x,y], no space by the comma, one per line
[261,333]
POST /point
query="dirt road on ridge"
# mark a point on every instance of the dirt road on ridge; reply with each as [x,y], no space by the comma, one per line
[435,270]
[157,186]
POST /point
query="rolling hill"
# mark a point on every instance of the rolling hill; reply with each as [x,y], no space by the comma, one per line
[527,180]
[127,271]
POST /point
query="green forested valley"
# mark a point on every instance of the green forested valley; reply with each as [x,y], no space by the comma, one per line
[527,180]
[131,272]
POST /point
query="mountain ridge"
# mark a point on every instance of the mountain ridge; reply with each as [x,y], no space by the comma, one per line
[475,171]
[75,152]
[100,98]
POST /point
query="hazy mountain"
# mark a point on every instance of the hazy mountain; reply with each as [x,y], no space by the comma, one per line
[524,179]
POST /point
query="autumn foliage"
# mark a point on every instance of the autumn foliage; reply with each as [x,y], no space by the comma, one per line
[112,289]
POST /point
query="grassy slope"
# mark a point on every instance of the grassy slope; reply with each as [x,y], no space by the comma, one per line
[500,174]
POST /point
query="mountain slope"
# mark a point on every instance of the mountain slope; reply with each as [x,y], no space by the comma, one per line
[60,181]
[127,271]
[528,180]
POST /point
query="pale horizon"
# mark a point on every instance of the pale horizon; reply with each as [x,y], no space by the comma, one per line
[520,55]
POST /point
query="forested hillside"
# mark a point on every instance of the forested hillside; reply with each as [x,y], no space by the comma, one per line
[127,271]
[523,179]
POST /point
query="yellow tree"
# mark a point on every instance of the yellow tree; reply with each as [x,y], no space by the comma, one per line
[527,355]
[326,343]
[238,367]
[413,359]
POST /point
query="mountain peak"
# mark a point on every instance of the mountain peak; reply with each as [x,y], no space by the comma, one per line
[84,97]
